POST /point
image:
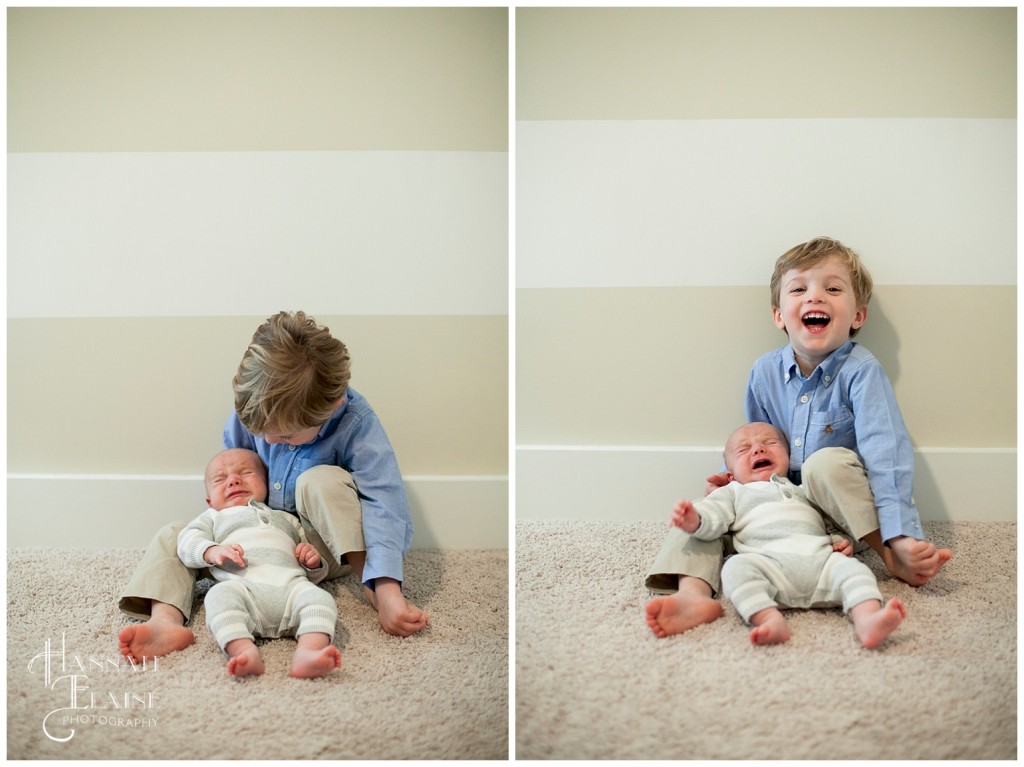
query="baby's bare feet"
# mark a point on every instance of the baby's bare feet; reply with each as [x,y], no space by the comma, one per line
[246,663]
[309,664]
[873,627]
[679,612]
[154,638]
[770,627]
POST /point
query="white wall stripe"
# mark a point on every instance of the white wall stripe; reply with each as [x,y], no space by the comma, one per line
[713,202]
[454,512]
[613,484]
[247,233]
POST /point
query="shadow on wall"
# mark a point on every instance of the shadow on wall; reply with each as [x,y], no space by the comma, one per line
[927,497]
[881,338]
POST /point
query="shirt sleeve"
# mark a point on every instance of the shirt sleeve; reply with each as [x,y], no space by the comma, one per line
[236,436]
[387,527]
[194,540]
[717,513]
[884,446]
[752,407]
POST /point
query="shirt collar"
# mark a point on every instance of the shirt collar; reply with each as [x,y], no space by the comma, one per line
[826,370]
[338,413]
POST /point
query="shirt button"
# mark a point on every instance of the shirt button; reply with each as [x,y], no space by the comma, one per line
[291,447]
[277,485]
[805,399]
[828,378]
[798,442]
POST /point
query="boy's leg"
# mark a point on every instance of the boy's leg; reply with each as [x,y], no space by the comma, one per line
[687,570]
[328,503]
[836,481]
[160,592]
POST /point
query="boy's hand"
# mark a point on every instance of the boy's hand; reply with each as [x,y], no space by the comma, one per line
[685,517]
[716,481]
[307,555]
[218,555]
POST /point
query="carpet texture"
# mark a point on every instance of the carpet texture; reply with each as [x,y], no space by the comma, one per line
[442,694]
[592,681]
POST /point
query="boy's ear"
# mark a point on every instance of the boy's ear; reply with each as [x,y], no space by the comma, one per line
[779,322]
[208,502]
[730,476]
[859,317]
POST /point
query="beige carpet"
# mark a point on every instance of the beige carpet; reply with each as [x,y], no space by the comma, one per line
[592,682]
[442,694]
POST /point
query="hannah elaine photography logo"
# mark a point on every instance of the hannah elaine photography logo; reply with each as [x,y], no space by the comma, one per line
[73,680]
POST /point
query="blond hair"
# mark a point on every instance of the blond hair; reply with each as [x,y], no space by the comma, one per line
[292,375]
[814,252]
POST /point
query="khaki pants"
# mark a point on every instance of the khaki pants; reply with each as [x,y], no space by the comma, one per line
[833,479]
[332,520]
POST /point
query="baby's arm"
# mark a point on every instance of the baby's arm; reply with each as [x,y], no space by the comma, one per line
[218,554]
[198,548]
[685,517]
[316,567]
[842,544]
[307,555]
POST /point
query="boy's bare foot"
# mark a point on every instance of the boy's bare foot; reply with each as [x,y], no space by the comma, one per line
[679,612]
[873,623]
[397,616]
[309,663]
[769,627]
[154,638]
[913,561]
[245,661]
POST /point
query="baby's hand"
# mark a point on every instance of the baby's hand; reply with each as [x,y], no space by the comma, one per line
[307,555]
[218,555]
[843,546]
[685,517]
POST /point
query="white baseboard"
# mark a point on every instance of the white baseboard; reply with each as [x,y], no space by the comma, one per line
[124,511]
[618,483]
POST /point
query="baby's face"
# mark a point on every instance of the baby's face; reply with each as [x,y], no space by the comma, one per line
[756,451]
[233,477]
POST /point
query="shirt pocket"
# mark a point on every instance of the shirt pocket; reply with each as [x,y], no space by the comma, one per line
[317,458]
[832,428]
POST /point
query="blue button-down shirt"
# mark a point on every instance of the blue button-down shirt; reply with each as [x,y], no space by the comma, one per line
[847,401]
[353,439]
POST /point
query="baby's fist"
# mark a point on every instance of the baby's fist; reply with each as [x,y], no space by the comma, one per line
[307,555]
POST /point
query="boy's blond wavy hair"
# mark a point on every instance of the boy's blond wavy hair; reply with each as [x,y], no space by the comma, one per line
[814,252]
[291,377]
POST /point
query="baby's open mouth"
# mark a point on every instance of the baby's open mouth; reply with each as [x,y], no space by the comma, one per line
[816,320]
[762,464]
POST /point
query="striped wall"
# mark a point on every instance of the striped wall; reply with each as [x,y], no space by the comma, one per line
[176,175]
[666,157]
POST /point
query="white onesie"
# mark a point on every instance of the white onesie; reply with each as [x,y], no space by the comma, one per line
[784,555]
[273,595]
